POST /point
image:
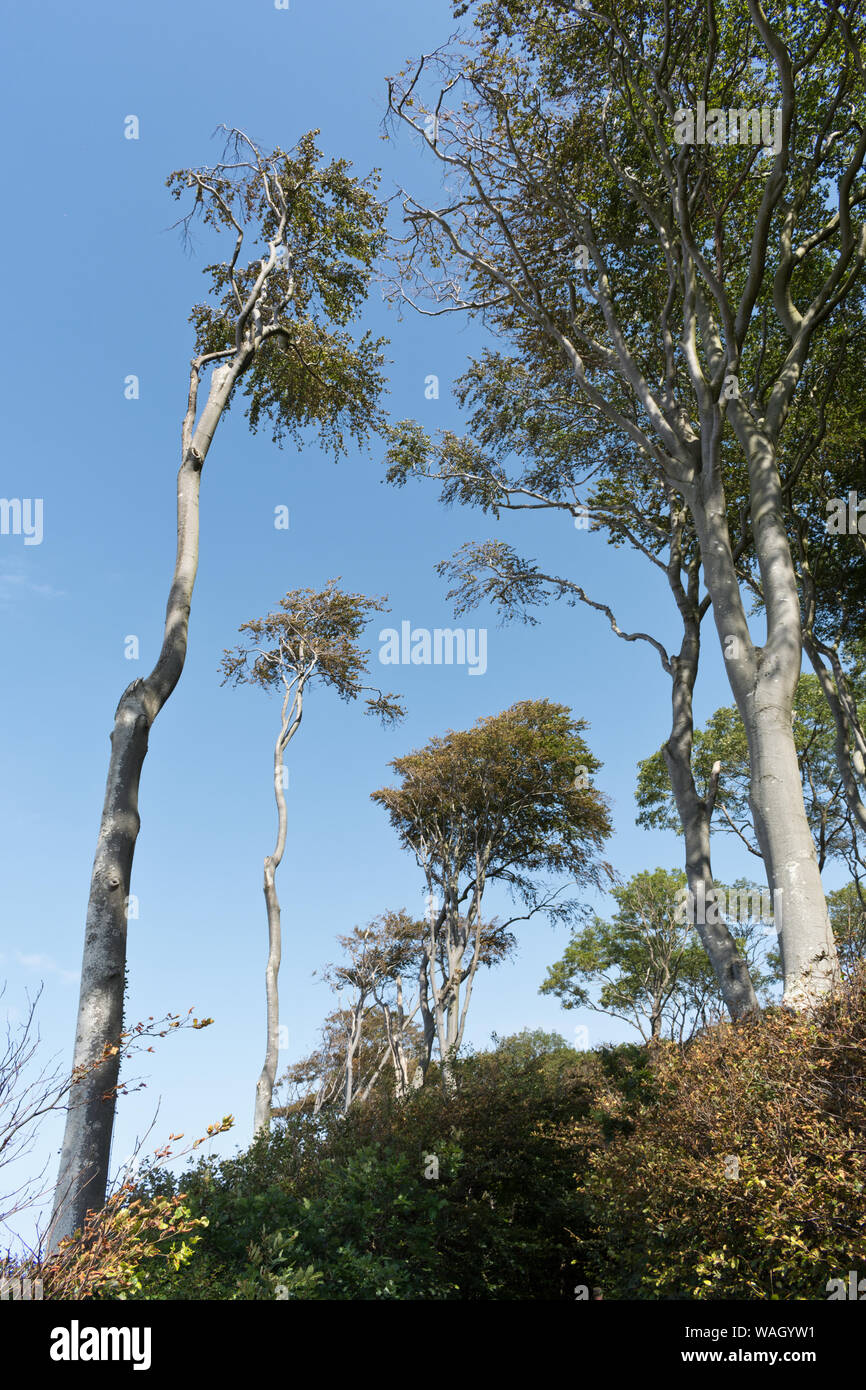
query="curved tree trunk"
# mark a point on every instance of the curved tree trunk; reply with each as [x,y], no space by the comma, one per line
[267,1077]
[83,1175]
[731,971]
[848,741]
[265,1084]
[695,812]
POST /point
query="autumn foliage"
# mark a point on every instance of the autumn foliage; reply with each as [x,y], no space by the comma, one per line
[739,1169]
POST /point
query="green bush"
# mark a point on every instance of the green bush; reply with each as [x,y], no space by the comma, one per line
[732,1168]
[350,1194]
[742,1172]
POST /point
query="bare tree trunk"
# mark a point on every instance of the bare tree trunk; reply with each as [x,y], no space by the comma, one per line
[425,972]
[446,1001]
[395,1028]
[267,1077]
[764,681]
[83,1175]
[848,741]
[265,1084]
[809,962]
[352,1048]
[452,1015]
[695,812]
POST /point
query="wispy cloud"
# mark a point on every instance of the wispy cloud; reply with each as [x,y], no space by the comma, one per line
[12,583]
[47,965]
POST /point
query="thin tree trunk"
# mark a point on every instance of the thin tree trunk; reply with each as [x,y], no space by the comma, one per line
[265,1084]
[84,1163]
[731,971]
[849,757]
[695,812]
[353,1045]
[394,1034]
[426,980]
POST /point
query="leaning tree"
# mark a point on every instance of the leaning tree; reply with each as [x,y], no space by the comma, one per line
[276,327]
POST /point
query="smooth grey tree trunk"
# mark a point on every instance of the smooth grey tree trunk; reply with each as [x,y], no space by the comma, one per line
[84,1163]
[695,812]
[763,681]
[265,1084]
[352,1047]
[395,1028]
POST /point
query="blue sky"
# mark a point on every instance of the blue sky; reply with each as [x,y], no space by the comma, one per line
[97,288]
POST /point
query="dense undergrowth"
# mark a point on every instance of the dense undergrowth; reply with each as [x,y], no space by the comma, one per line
[732,1168]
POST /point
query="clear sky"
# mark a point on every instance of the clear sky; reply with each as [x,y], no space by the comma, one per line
[97,287]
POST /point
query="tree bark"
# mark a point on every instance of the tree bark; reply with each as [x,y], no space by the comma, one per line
[84,1163]
[763,681]
[265,1084]
[427,1021]
[695,812]
[395,1032]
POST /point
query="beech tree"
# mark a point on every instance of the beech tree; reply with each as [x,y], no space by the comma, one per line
[647,963]
[378,954]
[371,1027]
[525,453]
[32,1087]
[825,514]
[275,327]
[721,757]
[506,801]
[397,945]
[587,211]
[313,640]
[532,447]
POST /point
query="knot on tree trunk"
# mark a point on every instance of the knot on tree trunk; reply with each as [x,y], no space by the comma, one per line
[130,689]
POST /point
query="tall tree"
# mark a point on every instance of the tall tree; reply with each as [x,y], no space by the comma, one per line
[682,277]
[824,510]
[312,640]
[506,801]
[275,326]
[721,757]
[526,453]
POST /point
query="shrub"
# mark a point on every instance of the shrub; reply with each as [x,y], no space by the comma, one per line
[494,1222]
[120,1250]
[742,1173]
